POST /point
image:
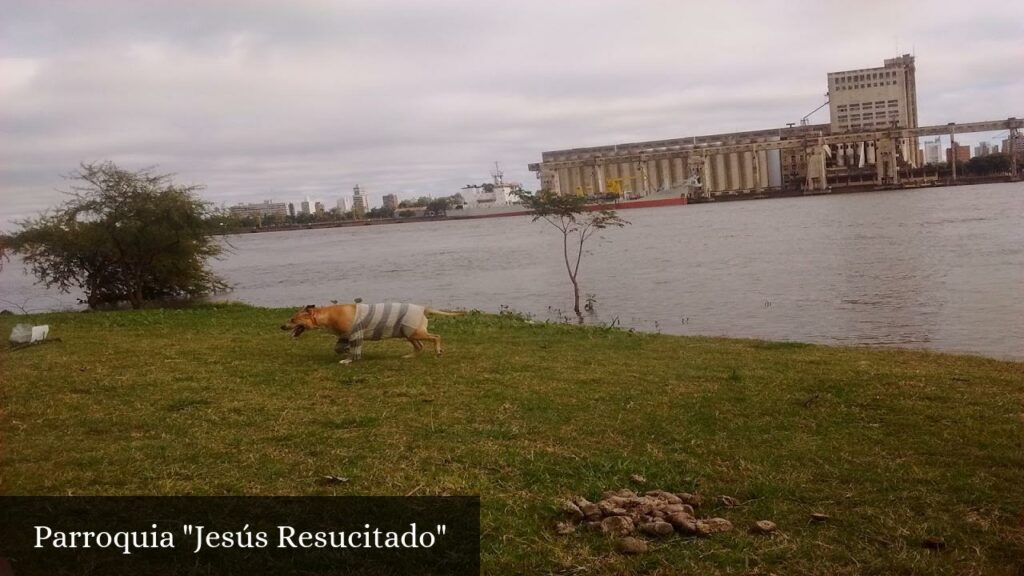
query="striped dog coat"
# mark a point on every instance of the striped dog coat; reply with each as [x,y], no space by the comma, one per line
[379,321]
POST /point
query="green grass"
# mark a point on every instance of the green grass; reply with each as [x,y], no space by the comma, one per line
[894,445]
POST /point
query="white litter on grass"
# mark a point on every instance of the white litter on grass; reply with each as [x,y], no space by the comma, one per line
[27,333]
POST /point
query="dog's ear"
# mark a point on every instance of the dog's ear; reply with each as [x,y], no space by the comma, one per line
[309,306]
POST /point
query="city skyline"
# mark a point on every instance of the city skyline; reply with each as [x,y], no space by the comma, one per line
[422,110]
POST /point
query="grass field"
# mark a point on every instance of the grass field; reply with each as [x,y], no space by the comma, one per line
[895,446]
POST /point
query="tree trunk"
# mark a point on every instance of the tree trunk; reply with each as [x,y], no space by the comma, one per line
[572,276]
[137,297]
[576,299]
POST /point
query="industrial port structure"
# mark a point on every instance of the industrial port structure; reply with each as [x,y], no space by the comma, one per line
[871,141]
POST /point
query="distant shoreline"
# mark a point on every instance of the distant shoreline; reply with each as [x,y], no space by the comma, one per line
[852,189]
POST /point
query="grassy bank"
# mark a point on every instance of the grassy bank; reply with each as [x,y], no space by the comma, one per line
[895,446]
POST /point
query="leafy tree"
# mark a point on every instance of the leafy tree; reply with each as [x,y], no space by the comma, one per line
[439,206]
[571,217]
[4,250]
[123,237]
[989,164]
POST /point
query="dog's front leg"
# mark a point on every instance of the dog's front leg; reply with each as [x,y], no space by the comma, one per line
[354,347]
[342,345]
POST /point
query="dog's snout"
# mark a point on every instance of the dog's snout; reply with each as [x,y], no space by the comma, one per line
[284,326]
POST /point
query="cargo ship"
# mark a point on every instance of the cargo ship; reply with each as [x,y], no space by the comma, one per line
[499,199]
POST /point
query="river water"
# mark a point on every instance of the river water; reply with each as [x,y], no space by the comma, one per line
[941,269]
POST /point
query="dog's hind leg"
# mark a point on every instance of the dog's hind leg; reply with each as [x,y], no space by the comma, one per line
[421,334]
[417,346]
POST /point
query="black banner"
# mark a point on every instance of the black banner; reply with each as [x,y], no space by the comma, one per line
[250,536]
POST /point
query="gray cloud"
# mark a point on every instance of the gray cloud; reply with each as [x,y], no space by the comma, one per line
[279,100]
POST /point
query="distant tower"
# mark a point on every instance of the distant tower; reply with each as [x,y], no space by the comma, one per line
[306,208]
[498,175]
[291,210]
[342,205]
[358,202]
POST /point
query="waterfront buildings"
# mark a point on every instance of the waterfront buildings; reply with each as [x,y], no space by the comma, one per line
[358,202]
[390,202]
[874,98]
[306,208]
[871,140]
[984,149]
[933,151]
[259,210]
[1018,146]
[963,153]
[342,206]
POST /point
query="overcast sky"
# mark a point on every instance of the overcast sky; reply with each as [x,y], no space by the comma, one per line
[279,100]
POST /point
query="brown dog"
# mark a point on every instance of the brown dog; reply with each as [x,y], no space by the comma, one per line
[353,323]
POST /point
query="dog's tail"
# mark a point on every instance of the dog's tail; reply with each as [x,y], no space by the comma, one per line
[443,312]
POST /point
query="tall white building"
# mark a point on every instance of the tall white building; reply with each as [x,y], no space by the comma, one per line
[1018,145]
[358,202]
[933,151]
[874,98]
[307,207]
[342,205]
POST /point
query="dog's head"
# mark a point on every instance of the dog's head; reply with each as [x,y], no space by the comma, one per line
[302,320]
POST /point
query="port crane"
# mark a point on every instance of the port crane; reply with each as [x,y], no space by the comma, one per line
[806,119]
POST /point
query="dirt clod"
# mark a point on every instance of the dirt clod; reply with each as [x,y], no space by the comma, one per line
[657,528]
[711,526]
[728,501]
[630,545]
[621,525]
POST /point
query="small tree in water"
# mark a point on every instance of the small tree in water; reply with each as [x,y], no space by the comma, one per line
[570,216]
[123,237]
